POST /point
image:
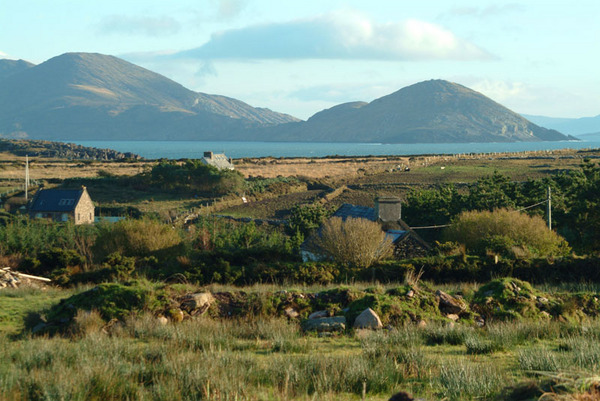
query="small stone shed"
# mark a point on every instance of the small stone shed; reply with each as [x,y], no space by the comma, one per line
[218,160]
[63,205]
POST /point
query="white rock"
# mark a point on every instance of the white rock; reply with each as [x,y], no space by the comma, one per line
[368,319]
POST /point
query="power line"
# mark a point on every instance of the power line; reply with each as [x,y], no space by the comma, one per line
[448,225]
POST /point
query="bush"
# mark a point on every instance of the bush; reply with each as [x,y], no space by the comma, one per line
[507,233]
[137,238]
[355,242]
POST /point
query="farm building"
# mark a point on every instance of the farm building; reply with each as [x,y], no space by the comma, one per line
[218,160]
[388,212]
[63,205]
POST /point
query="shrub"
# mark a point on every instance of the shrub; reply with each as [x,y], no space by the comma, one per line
[507,233]
[355,242]
[138,238]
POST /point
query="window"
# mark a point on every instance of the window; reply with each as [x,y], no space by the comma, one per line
[66,202]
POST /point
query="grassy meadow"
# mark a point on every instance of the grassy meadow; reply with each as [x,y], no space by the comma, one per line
[270,358]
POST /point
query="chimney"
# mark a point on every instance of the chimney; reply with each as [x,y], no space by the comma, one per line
[388,208]
[208,155]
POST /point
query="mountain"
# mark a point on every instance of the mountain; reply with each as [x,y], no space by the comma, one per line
[433,111]
[10,67]
[86,96]
[572,126]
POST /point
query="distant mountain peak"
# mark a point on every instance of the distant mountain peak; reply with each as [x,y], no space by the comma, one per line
[433,111]
[96,96]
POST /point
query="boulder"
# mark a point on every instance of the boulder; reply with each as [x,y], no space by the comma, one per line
[197,304]
[368,319]
[326,324]
[453,316]
[320,314]
[448,304]
[291,313]
[162,321]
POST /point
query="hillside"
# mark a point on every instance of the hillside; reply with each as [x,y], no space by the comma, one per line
[81,96]
[10,67]
[434,111]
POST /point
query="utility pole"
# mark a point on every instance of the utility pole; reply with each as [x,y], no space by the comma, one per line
[26,177]
[549,208]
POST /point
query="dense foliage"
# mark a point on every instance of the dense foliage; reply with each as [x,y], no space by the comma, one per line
[193,175]
[575,204]
[504,232]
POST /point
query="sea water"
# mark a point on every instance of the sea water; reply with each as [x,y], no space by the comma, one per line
[195,149]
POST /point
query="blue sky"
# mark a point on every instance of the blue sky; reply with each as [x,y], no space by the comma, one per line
[299,57]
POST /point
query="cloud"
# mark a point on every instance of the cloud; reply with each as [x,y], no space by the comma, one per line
[339,35]
[227,9]
[147,26]
[5,56]
[484,12]
[502,91]
[206,69]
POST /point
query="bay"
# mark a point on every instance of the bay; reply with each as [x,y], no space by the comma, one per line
[236,150]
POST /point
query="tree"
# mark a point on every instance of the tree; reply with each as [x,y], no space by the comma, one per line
[355,242]
[506,232]
[306,218]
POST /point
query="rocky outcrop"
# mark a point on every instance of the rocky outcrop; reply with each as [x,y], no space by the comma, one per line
[61,150]
[198,303]
[325,325]
[449,304]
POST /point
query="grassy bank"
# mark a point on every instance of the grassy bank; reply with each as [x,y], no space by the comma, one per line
[270,358]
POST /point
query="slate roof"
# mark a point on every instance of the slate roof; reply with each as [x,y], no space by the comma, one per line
[55,200]
[395,235]
[347,210]
[218,160]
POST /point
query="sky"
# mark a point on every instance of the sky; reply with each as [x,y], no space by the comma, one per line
[300,57]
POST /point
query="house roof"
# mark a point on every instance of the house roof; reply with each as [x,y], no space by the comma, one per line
[56,200]
[347,210]
[218,160]
[396,235]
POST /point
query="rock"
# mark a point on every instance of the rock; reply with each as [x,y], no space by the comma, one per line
[546,315]
[326,324]
[452,316]
[479,321]
[39,327]
[162,321]
[197,304]
[410,293]
[291,313]
[176,315]
[368,319]
[448,304]
[421,324]
[320,314]
[401,396]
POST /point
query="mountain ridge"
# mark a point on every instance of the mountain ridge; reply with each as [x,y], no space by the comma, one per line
[87,96]
[426,112]
[55,99]
[571,126]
